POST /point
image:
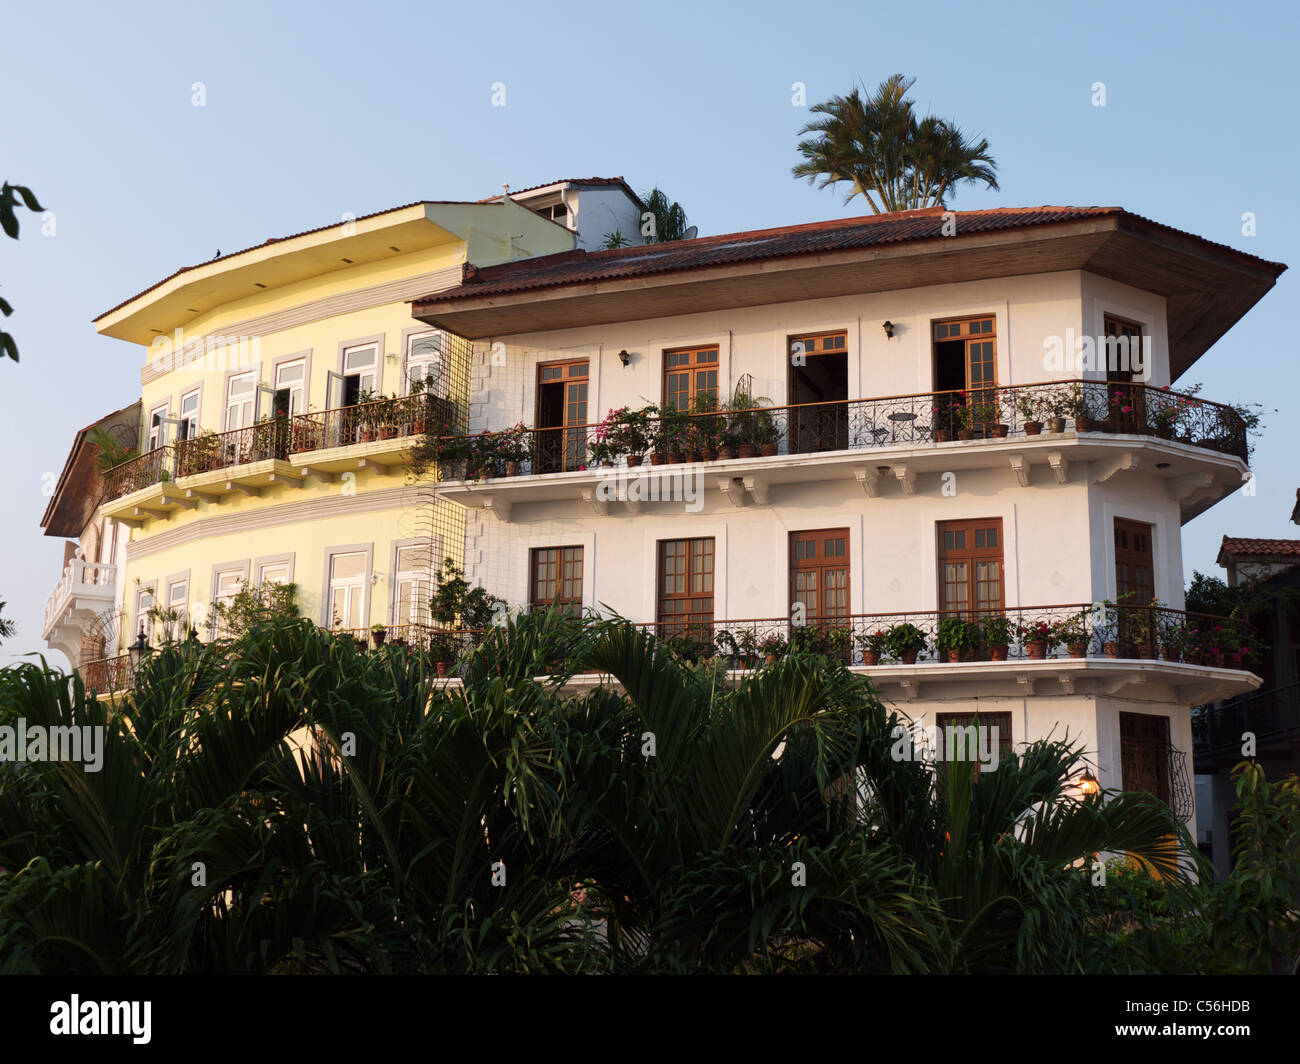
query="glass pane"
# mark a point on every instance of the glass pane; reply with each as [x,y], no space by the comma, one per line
[347,567]
[358,358]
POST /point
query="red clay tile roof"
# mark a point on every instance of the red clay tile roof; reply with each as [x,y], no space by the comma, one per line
[1236,546]
[584,267]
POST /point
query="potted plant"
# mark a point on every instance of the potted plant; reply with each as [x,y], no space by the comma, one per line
[765,433]
[511,447]
[772,647]
[1037,637]
[956,638]
[442,651]
[1073,633]
[672,431]
[959,415]
[997,634]
[1056,406]
[872,645]
[385,415]
[839,643]
[379,633]
[1142,628]
[747,648]
[1122,409]
[905,641]
[740,424]
[705,431]
[726,644]
[807,639]
[1075,405]
[1030,408]
[985,411]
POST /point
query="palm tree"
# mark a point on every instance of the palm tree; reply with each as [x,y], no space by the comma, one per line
[670,219]
[878,145]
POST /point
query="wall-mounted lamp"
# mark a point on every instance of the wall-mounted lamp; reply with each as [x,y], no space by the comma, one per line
[1088,785]
[889,330]
[625,358]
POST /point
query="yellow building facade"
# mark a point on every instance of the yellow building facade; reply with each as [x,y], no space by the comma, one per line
[282,390]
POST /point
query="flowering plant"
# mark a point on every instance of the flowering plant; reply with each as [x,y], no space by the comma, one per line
[1039,632]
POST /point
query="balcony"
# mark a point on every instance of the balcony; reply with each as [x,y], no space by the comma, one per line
[376,435]
[281,452]
[85,590]
[1273,717]
[880,445]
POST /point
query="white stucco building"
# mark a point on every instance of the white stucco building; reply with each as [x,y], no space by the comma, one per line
[870,341]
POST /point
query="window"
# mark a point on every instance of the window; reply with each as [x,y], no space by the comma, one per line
[556,579]
[290,388]
[688,372]
[240,394]
[424,361]
[1144,750]
[157,428]
[685,593]
[1123,348]
[561,406]
[970,565]
[966,743]
[819,574]
[347,590]
[225,587]
[1134,571]
[273,573]
[819,392]
[965,359]
[413,583]
[144,602]
[557,213]
[189,426]
[176,620]
[359,372]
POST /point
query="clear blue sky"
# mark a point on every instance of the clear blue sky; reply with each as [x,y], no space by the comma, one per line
[314,110]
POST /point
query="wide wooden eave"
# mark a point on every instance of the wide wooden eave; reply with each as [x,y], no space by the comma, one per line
[1208,290]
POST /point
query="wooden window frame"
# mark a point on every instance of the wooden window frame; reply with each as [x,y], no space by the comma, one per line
[692,368]
[689,621]
[1006,737]
[972,555]
[822,618]
[571,603]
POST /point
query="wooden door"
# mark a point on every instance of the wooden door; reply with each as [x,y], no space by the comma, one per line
[819,576]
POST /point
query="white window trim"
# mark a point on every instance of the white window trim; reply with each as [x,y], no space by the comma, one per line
[327,621]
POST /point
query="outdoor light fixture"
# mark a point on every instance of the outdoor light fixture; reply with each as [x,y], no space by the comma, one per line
[625,358]
[1162,465]
[194,635]
[139,649]
[1088,785]
[889,330]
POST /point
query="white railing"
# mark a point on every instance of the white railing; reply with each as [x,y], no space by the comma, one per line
[80,577]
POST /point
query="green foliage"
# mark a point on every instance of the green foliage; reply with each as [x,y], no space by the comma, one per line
[670,219]
[9,196]
[903,638]
[878,145]
[111,452]
[251,607]
[455,601]
[7,629]
[352,815]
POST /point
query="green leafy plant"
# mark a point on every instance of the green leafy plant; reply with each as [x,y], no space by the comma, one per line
[253,606]
[997,630]
[957,634]
[455,601]
[904,638]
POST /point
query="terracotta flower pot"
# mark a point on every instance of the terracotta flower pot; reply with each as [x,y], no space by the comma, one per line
[998,653]
[1146,650]
[746,450]
[965,434]
[693,456]
[379,638]
[633,460]
[1083,424]
[512,469]
[725,454]
[1036,649]
[441,666]
[1033,428]
[871,657]
[999,432]
[909,656]
[954,656]
[709,455]
[658,459]
[769,659]
[367,435]
[1076,650]
[676,458]
[1112,650]
[769,450]
[1056,424]
[942,435]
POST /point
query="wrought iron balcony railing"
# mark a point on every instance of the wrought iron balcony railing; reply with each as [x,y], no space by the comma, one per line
[408,415]
[1266,714]
[207,452]
[865,424]
[1023,633]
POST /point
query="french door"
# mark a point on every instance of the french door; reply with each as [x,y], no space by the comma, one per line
[561,416]
[970,567]
[819,576]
